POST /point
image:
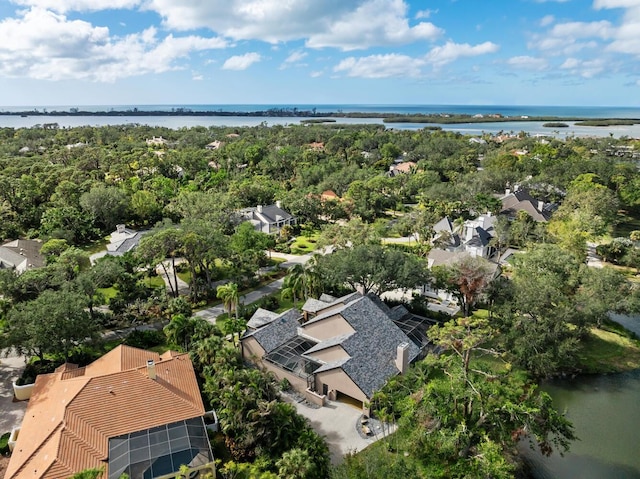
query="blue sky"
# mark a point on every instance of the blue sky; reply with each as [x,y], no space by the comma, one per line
[521,52]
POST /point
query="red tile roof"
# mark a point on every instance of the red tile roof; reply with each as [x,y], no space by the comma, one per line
[73,412]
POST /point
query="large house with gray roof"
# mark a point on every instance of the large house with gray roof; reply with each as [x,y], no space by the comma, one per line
[20,255]
[268,219]
[346,349]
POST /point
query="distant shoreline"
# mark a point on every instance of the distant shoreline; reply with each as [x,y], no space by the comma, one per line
[436,118]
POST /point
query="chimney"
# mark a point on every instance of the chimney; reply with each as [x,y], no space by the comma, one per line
[278,204]
[259,208]
[402,357]
[540,206]
[151,369]
[120,228]
[507,191]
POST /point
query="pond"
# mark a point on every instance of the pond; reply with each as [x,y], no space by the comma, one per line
[605,411]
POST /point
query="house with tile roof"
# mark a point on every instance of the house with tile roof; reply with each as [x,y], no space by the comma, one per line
[20,255]
[268,219]
[131,411]
[337,348]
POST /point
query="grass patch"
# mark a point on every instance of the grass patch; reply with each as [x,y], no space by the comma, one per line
[305,244]
[96,246]
[606,351]
[185,276]
[154,281]
[108,293]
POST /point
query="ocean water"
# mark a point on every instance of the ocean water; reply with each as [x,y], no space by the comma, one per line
[176,122]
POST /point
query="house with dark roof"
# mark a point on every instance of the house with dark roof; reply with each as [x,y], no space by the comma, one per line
[268,219]
[521,200]
[131,411]
[347,349]
[473,237]
[20,255]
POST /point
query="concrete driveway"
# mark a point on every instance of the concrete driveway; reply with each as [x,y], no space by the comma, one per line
[11,412]
[338,423]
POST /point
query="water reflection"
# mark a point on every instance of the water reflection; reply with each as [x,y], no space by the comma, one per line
[606,415]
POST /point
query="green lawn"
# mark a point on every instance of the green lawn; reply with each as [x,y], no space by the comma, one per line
[96,246]
[108,293]
[305,244]
[185,276]
[154,281]
[607,352]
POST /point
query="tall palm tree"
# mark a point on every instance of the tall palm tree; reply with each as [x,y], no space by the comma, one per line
[229,295]
[293,286]
[180,330]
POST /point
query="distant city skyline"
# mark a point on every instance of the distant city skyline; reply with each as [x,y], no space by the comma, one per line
[146,52]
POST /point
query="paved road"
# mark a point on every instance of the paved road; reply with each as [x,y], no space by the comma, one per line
[11,413]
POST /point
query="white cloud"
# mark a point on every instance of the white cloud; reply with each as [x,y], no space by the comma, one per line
[547,20]
[63,6]
[295,57]
[528,63]
[197,77]
[381,66]
[41,44]
[425,13]
[241,62]
[316,74]
[450,52]
[584,68]
[344,24]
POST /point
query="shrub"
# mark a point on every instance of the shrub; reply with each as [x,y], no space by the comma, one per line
[145,339]
[4,443]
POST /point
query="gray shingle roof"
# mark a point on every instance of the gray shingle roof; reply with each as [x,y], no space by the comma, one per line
[312,305]
[373,348]
[329,343]
[261,318]
[29,249]
[278,332]
[275,214]
[9,258]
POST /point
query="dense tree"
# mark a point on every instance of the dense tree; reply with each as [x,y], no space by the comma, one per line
[372,268]
[54,323]
[107,205]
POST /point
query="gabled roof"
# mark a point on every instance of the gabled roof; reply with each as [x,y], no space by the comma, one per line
[326,301]
[10,259]
[521,200]
[25,249]
[74,411]
[278,331]
[273,214]
[373,348]
[261,318]
[443,225]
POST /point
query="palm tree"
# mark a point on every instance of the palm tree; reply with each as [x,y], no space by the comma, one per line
[293,286]
[228,293]
[205,350]
[180,330]
[295,464]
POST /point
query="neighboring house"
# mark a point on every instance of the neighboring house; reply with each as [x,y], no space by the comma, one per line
[20,255]
[402,168]
[131,411]
[521,200]
[268,219]
[214,145]
[156,141]
[345,348]
[329,195]
[439,257]
[474,236]
[123,240]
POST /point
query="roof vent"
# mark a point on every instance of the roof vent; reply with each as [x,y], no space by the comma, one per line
[151,369]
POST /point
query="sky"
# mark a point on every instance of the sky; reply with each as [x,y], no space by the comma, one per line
[316,52]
